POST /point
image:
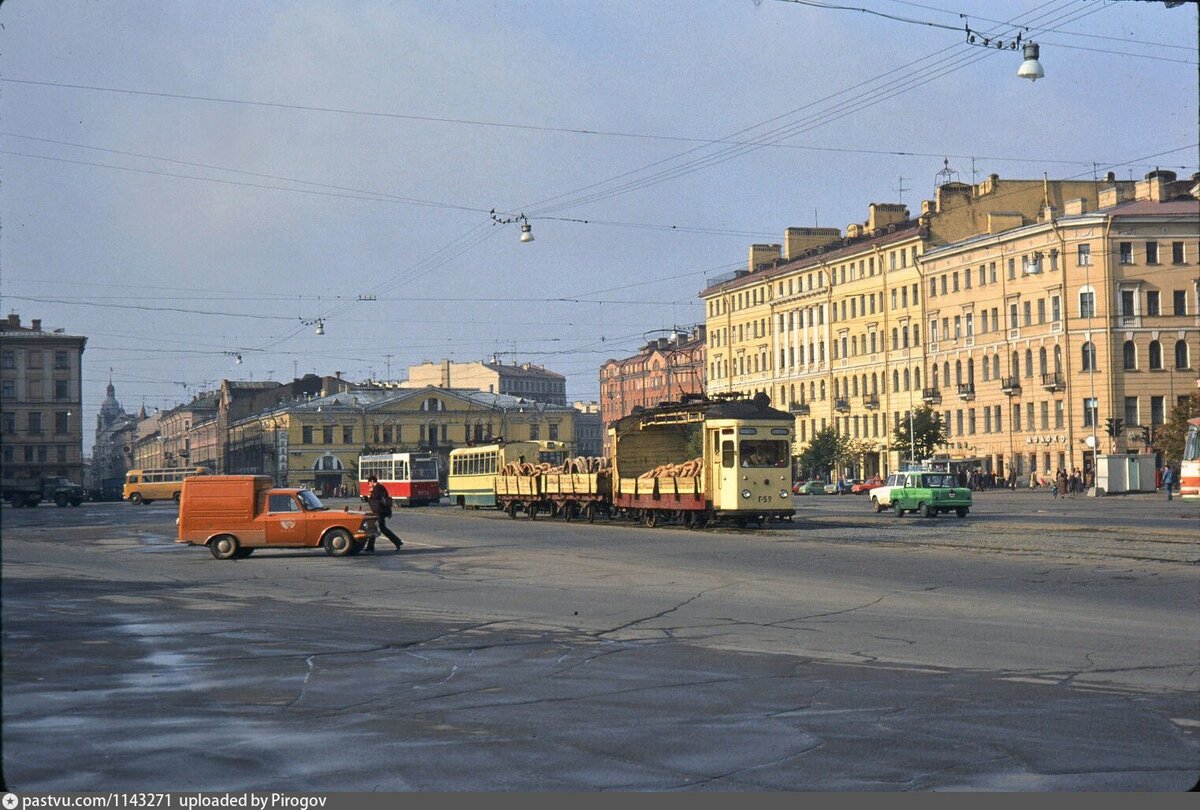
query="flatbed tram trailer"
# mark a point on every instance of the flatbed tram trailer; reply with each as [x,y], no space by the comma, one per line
[722,460]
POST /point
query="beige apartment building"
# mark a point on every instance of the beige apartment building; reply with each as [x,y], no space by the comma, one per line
[833,326]
[41,401]
[1039,333]
[525,380]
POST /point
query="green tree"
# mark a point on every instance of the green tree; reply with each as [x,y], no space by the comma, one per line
[854,451]
[1169,437]
[823,452]
[928,433]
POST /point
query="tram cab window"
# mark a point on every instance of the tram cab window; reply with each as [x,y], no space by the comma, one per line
[764,453]
[727,458]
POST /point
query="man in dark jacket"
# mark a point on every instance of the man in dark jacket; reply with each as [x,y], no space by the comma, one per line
[380,504]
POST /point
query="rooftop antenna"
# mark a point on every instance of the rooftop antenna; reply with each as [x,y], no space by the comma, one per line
[901,190]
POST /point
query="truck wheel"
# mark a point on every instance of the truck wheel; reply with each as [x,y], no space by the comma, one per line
[512,509]
[878,506]
[589,512]
[224,547]
[898,509]
[930,510]
[651,518]
[531,511]
[135,498]
[338,543]
[33,500]
[76,501]
[961,511]
[60,500]
[568,511]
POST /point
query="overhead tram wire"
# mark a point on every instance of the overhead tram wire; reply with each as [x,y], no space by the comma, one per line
[572,199]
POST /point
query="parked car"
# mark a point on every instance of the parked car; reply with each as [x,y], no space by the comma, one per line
[812,488]
[863,487]
[831,488]
[929,494]
[881,496]
[235,514]
[796,485]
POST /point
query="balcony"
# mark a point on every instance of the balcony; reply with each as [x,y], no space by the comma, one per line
[1011,386]
[1054,382]
[931,396]
[800,408]
[966,391]
[871,401]
[841,405]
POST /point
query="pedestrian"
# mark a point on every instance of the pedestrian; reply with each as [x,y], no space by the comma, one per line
[1060,483]
[1033,482]
[380,504]
[1012,478]
[1168,479]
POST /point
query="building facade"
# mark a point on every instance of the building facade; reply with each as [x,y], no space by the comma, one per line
[316,443]
[41,399]
[589,430]
[1038,335]
[835,331]
[663,370]
[526,380]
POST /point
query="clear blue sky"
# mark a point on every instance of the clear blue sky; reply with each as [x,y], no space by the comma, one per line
[184,182]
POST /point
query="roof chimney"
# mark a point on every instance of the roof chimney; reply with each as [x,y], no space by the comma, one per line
[764,254]
[445,381]
[36,324]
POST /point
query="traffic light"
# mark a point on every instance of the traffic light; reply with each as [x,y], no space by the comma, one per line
[1114,425]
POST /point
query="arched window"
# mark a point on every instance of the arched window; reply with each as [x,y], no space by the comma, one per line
[971,371]
[958,380]
[1016,364]
[907,380]
[946,372]
[935,375]
[1155,355]
[1057,359]
[1087,360]
[917,378]
[1029,362]
[895,380]
[822,390]
[1129,353]
[1042,361]
[1181,354]
[996,366]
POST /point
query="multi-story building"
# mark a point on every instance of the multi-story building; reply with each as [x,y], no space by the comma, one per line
[316,442]
[663,370]
[526,380]
[41,414]
[113,444]
[832,328]
[589,431]
[1038,333]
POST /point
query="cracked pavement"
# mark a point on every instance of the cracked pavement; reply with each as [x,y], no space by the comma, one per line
[843,652]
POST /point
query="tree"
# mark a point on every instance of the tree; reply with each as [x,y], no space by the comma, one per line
[1169,437]
[822,453]
[853,451]
[928,432]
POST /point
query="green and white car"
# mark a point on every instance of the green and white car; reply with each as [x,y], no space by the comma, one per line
[928,493]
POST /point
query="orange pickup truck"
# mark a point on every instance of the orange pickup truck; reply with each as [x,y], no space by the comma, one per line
[235,514]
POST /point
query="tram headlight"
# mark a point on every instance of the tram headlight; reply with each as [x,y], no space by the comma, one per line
[745,493]
[783,493]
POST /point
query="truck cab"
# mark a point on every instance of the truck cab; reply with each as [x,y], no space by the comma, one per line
[233,515]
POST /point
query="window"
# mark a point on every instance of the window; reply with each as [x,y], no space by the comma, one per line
[1027,313]
[1059,416]
[1055,309]
[8,359]
[1128,303]
[8,390]
[1083,255]
[535,431]
[1156,411]
[8,423]
[1012,316]
[35,422]
[1181,354]
[1129,354]
[553,430]
[932,289]
[1045,415]
[61,390]
[347,434]
[1016,416]
[967,279]
[1012,268]
[954,282]
[1125,253]
[1041,310]
[327,434]
[61,421]
[1152,307]
[1152,253]
[1088,359]
[1131,411]
[1177,252]
[1179,302]
[306,434]
[1087,303]
[61,360]
[1155,356]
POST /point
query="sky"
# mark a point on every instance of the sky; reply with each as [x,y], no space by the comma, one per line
[189,183]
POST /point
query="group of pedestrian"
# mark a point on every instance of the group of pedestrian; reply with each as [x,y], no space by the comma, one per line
[1067,483]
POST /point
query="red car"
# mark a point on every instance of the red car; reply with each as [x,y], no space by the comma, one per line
[863,487]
